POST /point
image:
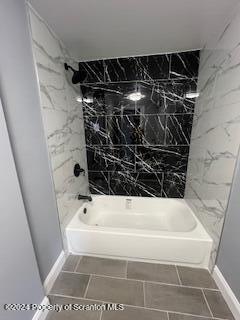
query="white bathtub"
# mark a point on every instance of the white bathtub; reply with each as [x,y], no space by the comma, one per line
[139,228]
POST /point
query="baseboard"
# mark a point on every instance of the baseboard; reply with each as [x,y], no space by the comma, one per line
[227,292]
[39,314]
[52,276]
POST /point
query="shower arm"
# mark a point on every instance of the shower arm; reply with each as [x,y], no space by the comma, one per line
[67,67]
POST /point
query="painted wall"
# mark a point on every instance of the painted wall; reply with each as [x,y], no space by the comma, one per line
[216,130]
[62,116]
[139,148]
[228,260]
[20,97]
[19,275]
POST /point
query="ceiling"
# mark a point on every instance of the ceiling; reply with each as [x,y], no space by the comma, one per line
[93,29]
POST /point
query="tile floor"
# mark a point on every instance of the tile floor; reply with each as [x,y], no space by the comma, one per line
[148,291]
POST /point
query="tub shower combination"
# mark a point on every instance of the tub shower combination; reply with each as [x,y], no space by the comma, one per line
[138,228]
[137,154]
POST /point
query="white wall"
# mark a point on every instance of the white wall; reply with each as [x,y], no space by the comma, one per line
[228,260]
[21,103]
[19,277]
[62,116]
[216,130]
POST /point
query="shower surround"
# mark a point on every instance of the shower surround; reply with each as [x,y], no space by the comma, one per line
[62,116]
[139,148]
[216,130]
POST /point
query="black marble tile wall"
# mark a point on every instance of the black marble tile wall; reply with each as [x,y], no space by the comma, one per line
[139,148]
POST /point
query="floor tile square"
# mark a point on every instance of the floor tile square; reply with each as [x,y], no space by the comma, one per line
[195,277]
[218,305]
[70,284]
[102,266]
[116,290]
[176,298]
[70,263]
[152,272]
[178,316]
[132,313]
[72,314]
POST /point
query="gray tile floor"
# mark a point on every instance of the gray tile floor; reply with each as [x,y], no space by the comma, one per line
[149,291]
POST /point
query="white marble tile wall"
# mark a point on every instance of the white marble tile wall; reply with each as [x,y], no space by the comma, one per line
[62,116]
[216,130]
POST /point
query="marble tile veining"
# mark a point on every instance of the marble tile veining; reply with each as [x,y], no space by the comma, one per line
[94,71]
[184,65]
[62,116]
[140,148]
[216,130]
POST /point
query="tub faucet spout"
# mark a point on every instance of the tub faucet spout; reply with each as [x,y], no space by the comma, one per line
[81,197]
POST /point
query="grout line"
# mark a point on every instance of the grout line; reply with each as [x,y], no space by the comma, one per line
[101,314]
[79,259]
[139,280]
[130,172]
[126,271]
[162,190]
[179,279]
[136,145]
[144,295]
[168,80]
[138,115]
[170,66]
[90,277]
[140,307]
[104,71]
[165,128]
[207,304]
[168,315]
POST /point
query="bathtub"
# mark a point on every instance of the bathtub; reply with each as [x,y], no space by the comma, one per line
[139,228]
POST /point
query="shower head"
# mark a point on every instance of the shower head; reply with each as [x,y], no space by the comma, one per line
[78,76]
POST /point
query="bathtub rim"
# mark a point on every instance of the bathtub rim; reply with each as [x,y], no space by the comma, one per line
[196,234]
